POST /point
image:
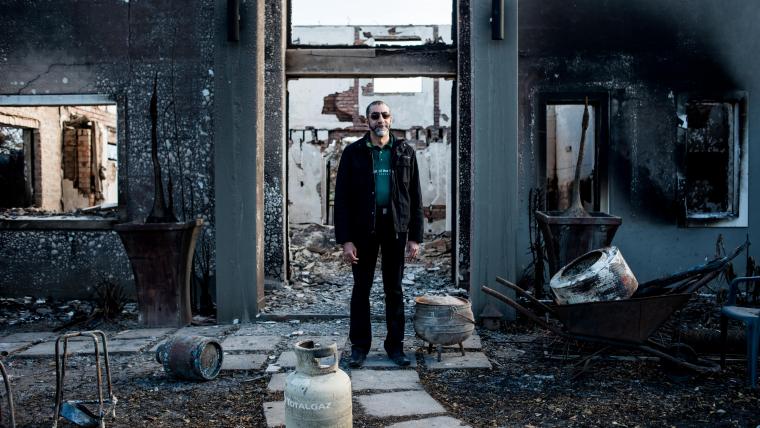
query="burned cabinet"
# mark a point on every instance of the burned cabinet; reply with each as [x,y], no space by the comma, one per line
[710,135]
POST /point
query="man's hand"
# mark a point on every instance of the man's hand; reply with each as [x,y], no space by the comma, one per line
[412,249]
[349,253]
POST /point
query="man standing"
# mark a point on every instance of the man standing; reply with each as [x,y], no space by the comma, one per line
[378,205]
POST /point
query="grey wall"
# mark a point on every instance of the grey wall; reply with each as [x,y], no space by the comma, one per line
[494,151]
[642,54]
[114,48]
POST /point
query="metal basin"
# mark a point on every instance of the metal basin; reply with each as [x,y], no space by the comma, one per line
[443,320]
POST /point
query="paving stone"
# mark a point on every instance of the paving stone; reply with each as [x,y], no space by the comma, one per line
[83,345]
[277,383]
[142,333]
[206,330]
[472,342]
[379,359]
[404,403]
[251,343]
[129,346]
[274,411]
[437,422]
[243,361]
[287,360]
[7,348]
[47,349]
[455,360]
[28,337]
[363,380]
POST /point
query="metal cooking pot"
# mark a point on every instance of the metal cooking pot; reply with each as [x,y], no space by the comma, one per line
[443,321]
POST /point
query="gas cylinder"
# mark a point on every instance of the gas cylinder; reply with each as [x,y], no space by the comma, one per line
[317,395]
[191,357]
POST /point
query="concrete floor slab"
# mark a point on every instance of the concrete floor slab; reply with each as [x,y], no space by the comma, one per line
[38,336]
[243,361]
[142,333]
[274,411]
[129,346]
[277,382]
[287,360]
[47,349]
[7,348]
[207,330]
[404,403]
[388,380]
[251,343]
[437,422]
[455,360]
[84,345]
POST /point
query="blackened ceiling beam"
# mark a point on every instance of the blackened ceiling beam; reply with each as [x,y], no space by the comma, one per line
[385,62]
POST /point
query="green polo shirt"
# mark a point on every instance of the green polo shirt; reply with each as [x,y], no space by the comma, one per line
[381,162]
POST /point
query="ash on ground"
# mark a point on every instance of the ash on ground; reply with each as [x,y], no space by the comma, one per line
[34,314]
[321,283]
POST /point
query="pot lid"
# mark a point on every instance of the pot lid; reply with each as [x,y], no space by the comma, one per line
[441,300]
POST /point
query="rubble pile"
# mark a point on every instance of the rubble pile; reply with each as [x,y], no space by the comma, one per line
[321,282]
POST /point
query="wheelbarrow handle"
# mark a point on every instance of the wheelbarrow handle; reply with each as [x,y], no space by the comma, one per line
[522,310]
[525,294]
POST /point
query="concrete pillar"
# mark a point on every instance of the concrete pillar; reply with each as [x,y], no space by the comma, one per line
[239,163]
[275,188]
[494,152]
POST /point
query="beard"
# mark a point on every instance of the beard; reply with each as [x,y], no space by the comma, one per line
[380,131]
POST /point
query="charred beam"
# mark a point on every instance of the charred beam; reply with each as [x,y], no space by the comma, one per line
[370,63]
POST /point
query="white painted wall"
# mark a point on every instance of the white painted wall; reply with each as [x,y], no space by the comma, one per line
[435,170]
[306,97]
[305,177]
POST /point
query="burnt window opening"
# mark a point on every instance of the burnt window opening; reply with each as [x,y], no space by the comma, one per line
[711,135]
[424,23]
[560,126]
[57,158]
[16,168]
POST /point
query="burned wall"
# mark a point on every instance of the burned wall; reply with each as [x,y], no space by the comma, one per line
[640,56]
[114,48]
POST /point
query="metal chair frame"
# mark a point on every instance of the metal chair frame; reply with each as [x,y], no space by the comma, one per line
[750,317]
[105,406]
[9,397]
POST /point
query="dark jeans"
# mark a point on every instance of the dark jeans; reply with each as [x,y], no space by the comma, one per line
[393,250]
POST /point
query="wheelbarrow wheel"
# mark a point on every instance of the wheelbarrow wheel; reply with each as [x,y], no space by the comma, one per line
[677,372]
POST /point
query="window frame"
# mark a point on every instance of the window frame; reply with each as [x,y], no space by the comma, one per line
[736,216]
[64,221]
[600,101]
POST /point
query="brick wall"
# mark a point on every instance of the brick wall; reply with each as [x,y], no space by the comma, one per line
[61,158]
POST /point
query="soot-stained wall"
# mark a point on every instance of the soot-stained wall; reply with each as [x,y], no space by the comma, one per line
[114,48]
[640,55]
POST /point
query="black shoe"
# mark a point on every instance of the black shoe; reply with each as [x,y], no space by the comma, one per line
[399,359]
[357,358]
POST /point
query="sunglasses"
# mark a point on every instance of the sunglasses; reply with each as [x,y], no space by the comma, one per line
[376,115]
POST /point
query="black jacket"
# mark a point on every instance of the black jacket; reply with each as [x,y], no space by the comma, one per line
[355,192]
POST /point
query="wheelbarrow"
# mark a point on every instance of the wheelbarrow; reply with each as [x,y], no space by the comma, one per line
[628,323]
